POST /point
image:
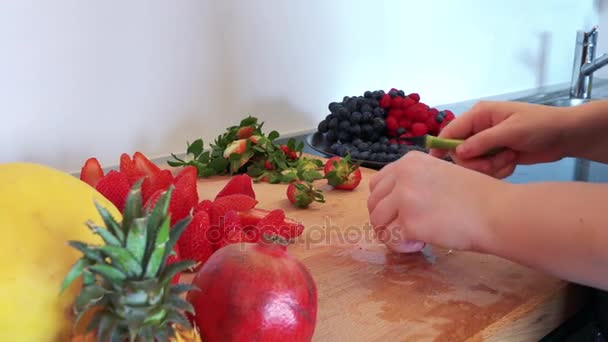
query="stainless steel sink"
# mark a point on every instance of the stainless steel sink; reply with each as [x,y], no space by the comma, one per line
[565,102]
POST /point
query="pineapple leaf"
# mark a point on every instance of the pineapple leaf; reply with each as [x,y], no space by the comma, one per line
[155,221]
[163,334]
[111,274]
[95,319]
[156,317]
[110,222]
[177,318]
[158,250]
[174,235]
[87,251]
[123,259]
[74,272]
[132,206]
[173,269]
[178,303]
[105,234]
[88,297]
[88,278]
[136,239]
[107,327]
[182,288]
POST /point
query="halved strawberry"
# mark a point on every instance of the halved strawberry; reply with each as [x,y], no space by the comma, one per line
[239,184]
[237,146]
[236,202]
[185,196]
[127,166]
[158,181]
[145,165]
[91,172]
[342,174]
[115,187]
[204,205]
[195,242]
[244,132]
[255,138]
[257,221]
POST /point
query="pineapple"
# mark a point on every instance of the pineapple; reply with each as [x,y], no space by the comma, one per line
[127,294]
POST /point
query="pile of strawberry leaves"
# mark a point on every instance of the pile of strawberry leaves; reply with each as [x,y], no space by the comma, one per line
[262,159]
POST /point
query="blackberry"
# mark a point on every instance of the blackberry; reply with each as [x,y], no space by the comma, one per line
[343,136]
[341,151]
[375,147]
[393,93]
[383,140]
[382,157]
[357,142]
[391,157]
[344,125]
[354,154]
[342,113]
[363,146]
[345,99]
[373,156]
[322,127]
[401,130]
[334,147]
[331,136]
[379,112]
[356,117]
[366,108]
[333,123]
[374,103]
[379,126]
[351,104]
[401,93]
[330,116]
[393,148]
[367,94]
[379,95]
[367,129]
[364,155]
[367,117]
[355,130]
[334,106]
[440,117]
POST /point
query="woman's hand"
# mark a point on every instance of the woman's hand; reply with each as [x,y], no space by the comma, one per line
[528,133]
[423,198]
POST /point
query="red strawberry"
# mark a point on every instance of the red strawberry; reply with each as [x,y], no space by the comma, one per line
[391,123]
[301,194]
[158,181]
[236,202]
[385,102]
[91,172]
[115,187]
[244,132]
[173,258]
[268,165]
[419,129]
[271,223]
[342,174]
[127,166]
[195,241]
[239,184]
[204,205]
[414,96]
[250,221]
[293,155]
[144,165]
[185,195]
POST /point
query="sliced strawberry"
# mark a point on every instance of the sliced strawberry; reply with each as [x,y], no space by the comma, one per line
[158,181]
[195,242]
[115,187]
[204,205]
[251,217]
[185,195]
[127,166]
[239,184]
[236,202]
[237,146]
[255,219]
[255,138]
[173,258]
[271,223]
[244,132]
[144,165]
[342,174]
[91,172]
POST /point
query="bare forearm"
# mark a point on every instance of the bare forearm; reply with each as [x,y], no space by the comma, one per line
[560,228]
[585,136]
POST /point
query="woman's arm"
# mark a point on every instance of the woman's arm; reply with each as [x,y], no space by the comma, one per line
[587,135]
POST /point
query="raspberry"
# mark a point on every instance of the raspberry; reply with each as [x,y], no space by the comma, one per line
[391,123]
[405,123]
[396,102]
[406,135]
[419,129]
[407,102]
[414,96]
[422,116]
[432,124]
[434,111]
[385,102]
[397,113]
[449,115]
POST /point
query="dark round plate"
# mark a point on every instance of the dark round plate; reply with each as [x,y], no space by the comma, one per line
[318,143]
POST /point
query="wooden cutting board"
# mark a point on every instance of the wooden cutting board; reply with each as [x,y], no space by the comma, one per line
[367,293]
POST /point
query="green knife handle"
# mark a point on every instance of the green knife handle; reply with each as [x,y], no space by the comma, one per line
[451,144]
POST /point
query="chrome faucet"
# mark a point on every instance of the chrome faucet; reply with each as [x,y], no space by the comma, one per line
[585,64]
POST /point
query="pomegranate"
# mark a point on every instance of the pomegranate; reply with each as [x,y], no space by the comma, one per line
[254,292]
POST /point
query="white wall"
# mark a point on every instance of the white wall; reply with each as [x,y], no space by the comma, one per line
[102,77]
